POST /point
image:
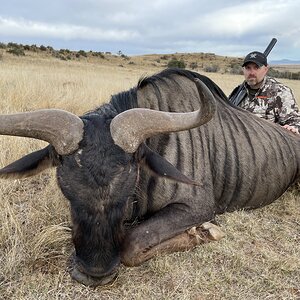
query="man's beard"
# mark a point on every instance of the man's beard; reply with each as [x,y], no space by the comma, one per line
[252,81]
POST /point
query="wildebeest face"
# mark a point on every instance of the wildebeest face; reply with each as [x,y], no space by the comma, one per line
[98,180]
[98,214]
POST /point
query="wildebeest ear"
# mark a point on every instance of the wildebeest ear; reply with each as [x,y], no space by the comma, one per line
[29,165]
[160,166]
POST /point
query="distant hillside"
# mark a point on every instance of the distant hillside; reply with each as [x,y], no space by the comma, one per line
[285,62]
[206,62]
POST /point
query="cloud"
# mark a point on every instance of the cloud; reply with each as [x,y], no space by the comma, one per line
[231,27]
[21,27]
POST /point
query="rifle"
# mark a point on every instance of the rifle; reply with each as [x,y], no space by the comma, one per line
[241,92]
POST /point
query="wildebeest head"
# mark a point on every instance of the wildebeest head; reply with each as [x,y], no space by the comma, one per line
[99,157]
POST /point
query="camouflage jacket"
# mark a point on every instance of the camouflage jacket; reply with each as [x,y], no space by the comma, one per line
[273,101]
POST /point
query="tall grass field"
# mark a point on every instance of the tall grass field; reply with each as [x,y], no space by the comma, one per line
[259,258]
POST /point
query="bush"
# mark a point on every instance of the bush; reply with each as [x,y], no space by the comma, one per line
[175,63]
[43,48]
[284,74]
[212,69]
[164,57]
[51,49]
[14,45]
[98,54]
[193,65]
[82,53]
[34,48]
[26,47]
[236,69]
[16,51]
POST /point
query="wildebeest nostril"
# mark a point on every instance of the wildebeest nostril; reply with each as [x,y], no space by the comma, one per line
[92,281]
[92,276]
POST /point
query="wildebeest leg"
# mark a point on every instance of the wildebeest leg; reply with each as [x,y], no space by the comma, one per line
[184,241]
[165,233]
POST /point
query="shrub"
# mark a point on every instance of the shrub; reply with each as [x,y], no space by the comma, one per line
[193,65]
[82,53]
[43,48]
[51,49]
[16,51]
[34,48]
[125,57]
[98,54]
[13,45]
[236,69]
[284,74]
[164,57]
[175,63]
[212,68]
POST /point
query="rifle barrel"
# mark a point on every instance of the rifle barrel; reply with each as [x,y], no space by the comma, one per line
[270,46]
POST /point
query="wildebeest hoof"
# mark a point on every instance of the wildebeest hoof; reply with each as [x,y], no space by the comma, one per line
[214,232]
[205,233]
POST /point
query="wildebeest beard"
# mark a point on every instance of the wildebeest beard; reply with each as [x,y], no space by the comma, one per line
[97,237]
[98,233]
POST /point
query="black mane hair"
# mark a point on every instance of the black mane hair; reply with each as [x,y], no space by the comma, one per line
[128,99]
[214,88]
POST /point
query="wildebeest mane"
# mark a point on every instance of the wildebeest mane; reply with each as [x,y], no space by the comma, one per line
[168,73]
[124,100]
[128,99]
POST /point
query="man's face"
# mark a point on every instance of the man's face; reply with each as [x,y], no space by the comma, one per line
[254,74]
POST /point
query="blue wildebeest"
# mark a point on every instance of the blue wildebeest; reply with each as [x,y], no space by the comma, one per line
[169,154]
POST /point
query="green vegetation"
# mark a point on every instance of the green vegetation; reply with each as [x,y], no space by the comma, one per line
[193,65]
[284,74]
[212,68]
[175,63]
[15,49]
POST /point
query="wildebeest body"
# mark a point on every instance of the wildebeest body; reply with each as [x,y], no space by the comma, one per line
[236,160]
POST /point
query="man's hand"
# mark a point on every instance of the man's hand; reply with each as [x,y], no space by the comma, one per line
[292,129]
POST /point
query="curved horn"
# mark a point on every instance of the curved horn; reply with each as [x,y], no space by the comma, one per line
[130,128]
[60,128]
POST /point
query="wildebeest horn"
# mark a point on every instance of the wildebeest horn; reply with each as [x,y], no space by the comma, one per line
[130,128]
[60,128]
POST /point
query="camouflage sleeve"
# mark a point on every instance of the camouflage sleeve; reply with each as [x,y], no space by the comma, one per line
[288,111]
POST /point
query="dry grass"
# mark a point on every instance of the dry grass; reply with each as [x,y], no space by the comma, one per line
[258,258]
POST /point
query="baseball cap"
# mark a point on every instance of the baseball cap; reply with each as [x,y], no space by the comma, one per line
[256,57]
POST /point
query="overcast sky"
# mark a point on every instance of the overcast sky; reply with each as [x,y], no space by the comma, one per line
[229,27]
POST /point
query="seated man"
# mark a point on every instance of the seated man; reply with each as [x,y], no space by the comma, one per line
[264,95]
